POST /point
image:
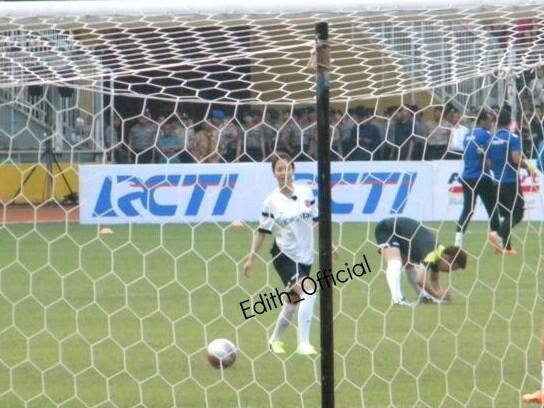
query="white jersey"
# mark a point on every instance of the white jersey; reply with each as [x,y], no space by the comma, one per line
[290,220]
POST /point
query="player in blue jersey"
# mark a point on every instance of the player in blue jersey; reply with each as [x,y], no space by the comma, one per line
[540,157]
[505,155]
[477,182]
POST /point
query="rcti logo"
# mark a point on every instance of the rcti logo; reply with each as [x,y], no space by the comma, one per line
[529,185]
[377,181]
[141,198]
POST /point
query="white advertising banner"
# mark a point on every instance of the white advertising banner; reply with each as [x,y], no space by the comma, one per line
[189,193]
[361,191]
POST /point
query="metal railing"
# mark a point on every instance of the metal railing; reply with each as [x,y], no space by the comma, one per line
[68,156]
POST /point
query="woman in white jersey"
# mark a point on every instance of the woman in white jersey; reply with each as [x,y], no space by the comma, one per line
[289,214]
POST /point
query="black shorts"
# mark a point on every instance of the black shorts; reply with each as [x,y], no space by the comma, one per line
[386,237]
[288,270]
[412,238]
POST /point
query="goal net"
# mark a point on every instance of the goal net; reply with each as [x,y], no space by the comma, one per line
[135,144]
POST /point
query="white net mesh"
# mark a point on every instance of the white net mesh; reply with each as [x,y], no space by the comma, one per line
[119,314]
[264,57]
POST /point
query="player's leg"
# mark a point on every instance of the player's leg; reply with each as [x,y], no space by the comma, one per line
[487,191]
[284,321]
[302,296]
[307,292]
[393,273]
[390,248]
[537,397]
[469,201]
[506,203]
[287,271]
[516,217]
[511,205]
[519,206]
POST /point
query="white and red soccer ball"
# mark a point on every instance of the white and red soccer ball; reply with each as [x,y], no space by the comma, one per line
[221,353]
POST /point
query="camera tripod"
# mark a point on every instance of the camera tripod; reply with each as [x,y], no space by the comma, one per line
[49,158]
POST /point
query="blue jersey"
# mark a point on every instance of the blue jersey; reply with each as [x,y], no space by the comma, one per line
[540,157]
[501,146]
[475,147]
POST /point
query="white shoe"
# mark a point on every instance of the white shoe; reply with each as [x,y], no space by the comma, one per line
[404,302]
[306,349]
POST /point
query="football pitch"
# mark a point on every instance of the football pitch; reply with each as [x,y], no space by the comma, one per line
[123,320]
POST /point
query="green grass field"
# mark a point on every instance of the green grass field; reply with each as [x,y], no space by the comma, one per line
[123,320]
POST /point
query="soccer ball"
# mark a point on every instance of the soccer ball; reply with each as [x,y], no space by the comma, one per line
[221,353]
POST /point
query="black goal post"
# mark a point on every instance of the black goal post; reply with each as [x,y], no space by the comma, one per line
[322,60]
